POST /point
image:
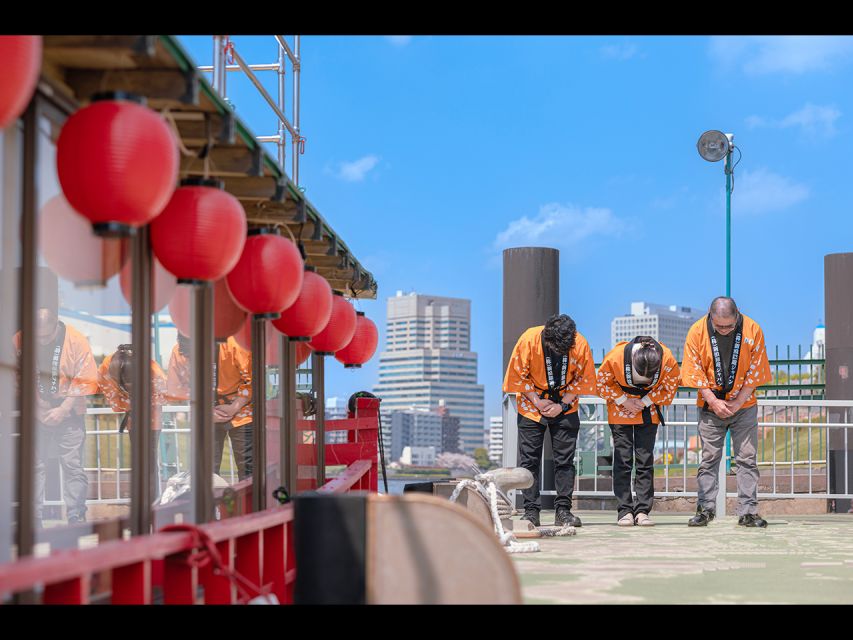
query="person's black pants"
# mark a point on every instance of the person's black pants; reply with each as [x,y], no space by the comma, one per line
[241,446]
[564,437]
[633,445]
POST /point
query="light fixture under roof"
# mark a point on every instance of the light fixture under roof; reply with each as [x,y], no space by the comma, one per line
[713,145]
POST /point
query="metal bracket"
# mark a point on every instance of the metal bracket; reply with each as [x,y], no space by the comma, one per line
[226,134]
[257,168]
[280,194]
[146,46]
[301,215]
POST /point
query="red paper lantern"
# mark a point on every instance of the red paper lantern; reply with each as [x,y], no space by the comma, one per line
[21,56]
[200,234]
[117,163]
[268,276]
[340,329]
[228,318]
[363,344]
[310,314]
[163,285]
[71,249]
[303,352]
[243,336]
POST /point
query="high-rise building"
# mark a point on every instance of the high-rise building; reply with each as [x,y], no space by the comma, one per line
[428,358]
[421,428]
[336,409]
[667,324]
[496,439]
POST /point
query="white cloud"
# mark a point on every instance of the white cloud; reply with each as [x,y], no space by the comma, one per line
[757,55]
[621,51]
[399,41]
[558,225]
[356,171]
[813,119]
[762,191]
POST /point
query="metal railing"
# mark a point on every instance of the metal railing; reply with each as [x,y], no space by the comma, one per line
[111,450]
[224,52]
[793,439]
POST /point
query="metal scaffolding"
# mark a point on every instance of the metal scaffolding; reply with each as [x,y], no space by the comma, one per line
[226,58]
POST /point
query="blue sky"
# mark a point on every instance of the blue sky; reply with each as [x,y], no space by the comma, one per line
[430,154]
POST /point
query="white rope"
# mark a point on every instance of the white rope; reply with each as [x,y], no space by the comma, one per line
[489,492]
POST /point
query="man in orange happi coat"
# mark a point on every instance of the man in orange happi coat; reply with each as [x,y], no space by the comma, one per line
[636,378]
[725,360]
[232,415]
[549,368]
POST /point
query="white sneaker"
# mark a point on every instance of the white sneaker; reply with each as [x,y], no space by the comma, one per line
[626,521]
[643,520]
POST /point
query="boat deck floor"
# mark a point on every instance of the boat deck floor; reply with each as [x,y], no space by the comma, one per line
[796,559]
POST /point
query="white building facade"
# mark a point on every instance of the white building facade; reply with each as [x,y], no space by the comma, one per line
[666,324]
[428,358]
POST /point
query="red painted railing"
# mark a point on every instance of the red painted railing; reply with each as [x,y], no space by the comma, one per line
[164,566]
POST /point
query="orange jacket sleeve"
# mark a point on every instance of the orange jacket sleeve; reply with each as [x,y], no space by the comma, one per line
[517,378]
[583,380]
[84,373]
[114,396]
[693,373]
[759,367]
[667,386]
[606,384]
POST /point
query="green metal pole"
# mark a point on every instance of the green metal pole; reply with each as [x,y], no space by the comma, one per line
[729,223]
[728,279]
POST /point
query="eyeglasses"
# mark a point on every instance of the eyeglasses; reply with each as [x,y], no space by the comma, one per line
[725,327]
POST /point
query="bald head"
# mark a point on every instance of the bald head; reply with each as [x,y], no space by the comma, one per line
[723,307]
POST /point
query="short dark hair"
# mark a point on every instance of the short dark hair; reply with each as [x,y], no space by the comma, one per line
[723,306]
[120,369]
[559,333]
[647,358]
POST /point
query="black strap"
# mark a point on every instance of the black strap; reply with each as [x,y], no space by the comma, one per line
[555,391]
[628,365]
[55,366]
[725,383]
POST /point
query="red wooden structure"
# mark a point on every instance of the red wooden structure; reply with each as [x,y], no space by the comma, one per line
[170,566]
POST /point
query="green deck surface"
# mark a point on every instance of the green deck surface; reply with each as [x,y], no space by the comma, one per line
[797,559]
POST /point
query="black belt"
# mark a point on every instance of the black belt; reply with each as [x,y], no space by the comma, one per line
[647,412]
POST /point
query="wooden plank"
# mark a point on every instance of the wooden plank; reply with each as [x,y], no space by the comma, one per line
[348,478]
[132,583]
[224,161]
[350,452]
[195,126]
[161,85]
[73,591]
[273,566]
[247,556]
[218,589]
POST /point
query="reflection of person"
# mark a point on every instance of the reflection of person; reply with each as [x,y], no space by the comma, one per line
[549,368]
[636,378]
[115,379]
[725,360]
[66,374]
[232,414]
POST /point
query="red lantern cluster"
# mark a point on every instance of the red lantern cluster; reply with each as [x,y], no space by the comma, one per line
[340,329]
[268,276]
[200,234]
[303,352]
[163,285]
[363,344]
[310,313]
[228,318]
[117,162]
[71,249]
[21,56]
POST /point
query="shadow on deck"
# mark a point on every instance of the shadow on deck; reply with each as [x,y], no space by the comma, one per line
[797,559]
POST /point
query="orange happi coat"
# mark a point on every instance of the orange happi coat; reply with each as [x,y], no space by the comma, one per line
[611,374]
[119,399]
[234,377]
[526,371]
[697,367]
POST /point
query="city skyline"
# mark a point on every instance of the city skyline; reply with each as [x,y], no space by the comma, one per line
[444,199]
